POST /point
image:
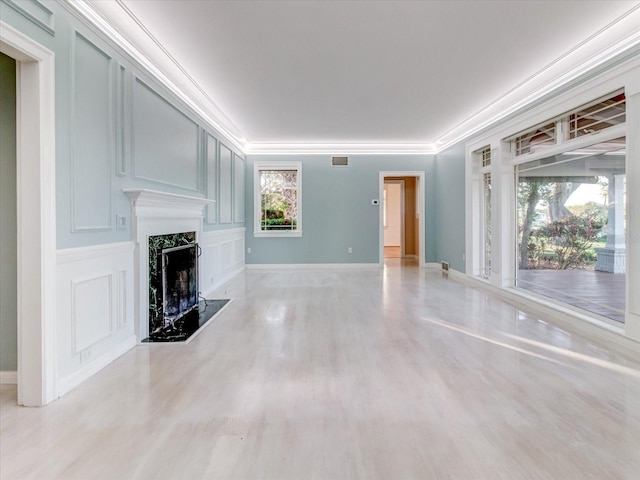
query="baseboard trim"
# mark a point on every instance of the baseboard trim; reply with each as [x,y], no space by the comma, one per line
[308,266]
[8,378]
[72,381]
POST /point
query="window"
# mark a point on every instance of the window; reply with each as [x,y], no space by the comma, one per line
[278,199]
[590,118]
[535,138]
[571,210]
[483,157]
[596,116]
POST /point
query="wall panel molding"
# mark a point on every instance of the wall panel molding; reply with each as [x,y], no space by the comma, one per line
[222,258]
[238,189]
[36,12]
[225,184]
[94,309]
[166,141]
[211,144]
[92,136]
[121,166]
[91,312]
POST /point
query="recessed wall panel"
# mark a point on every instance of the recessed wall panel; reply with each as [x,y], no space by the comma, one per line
[91,311]
[165,141]
[238,189]
[225,198]
[92,136]
[212,178]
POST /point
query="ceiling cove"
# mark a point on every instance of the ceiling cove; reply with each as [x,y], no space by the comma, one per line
[318,79]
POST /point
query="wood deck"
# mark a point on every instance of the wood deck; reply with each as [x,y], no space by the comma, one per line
[597,292]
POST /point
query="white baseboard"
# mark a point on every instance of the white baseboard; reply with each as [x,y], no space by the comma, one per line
[437,266]
[8,378]
[75,379]
[308,266]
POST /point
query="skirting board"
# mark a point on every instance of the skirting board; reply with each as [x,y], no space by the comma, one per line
[307,266]
[8,378]
[72,381]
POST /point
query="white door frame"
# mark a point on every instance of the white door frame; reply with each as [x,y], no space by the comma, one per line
[421,232]
[36,214]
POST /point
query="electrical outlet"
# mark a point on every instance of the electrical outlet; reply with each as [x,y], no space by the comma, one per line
[350,250]
[121,222]
[85,355]
[249,250]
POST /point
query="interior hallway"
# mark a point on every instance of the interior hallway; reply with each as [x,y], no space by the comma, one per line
[392,373]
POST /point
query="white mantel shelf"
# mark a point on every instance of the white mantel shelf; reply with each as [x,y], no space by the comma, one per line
[154,204]
[142,197]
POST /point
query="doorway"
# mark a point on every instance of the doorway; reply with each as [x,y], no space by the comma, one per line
[393,213]
[35,216]
[402,216]
[8,234]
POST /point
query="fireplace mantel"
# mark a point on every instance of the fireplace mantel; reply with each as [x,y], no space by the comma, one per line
[153,203]
[158,213]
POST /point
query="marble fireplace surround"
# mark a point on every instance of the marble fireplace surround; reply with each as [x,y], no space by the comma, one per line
[157,213]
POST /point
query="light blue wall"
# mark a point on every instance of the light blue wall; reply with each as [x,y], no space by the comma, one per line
[8,293]
[449,191]
[336,209]
[117,127]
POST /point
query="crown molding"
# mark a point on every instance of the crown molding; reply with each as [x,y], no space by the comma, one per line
[213,116]
[340,149]
[616,40]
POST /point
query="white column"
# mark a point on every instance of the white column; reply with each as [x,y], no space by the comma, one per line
[615,226]
[632,317]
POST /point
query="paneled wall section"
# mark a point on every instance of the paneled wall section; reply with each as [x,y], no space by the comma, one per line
[93,129]
[95,299]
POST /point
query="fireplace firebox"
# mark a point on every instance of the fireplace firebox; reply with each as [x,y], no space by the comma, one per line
[176,309]
[179,282]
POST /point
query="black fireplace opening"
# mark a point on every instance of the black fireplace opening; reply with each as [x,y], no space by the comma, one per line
[176,309]
[179,281]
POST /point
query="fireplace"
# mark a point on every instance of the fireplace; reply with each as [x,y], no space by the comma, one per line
[173,285]
[154,216]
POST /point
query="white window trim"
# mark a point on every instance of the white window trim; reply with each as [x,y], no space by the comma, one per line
[257,195]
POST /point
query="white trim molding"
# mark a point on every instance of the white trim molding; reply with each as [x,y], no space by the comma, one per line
[36,213]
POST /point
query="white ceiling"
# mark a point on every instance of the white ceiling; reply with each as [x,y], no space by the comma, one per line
[364,72]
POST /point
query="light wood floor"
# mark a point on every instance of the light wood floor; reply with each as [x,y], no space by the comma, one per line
[392,252]
[370,373]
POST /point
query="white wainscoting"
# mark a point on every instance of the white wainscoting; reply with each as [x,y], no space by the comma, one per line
[94,310]
[222,258]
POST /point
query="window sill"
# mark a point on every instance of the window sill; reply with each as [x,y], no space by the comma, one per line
[267,234]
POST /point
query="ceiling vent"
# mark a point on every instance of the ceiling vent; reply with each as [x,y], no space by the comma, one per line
[340,161]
